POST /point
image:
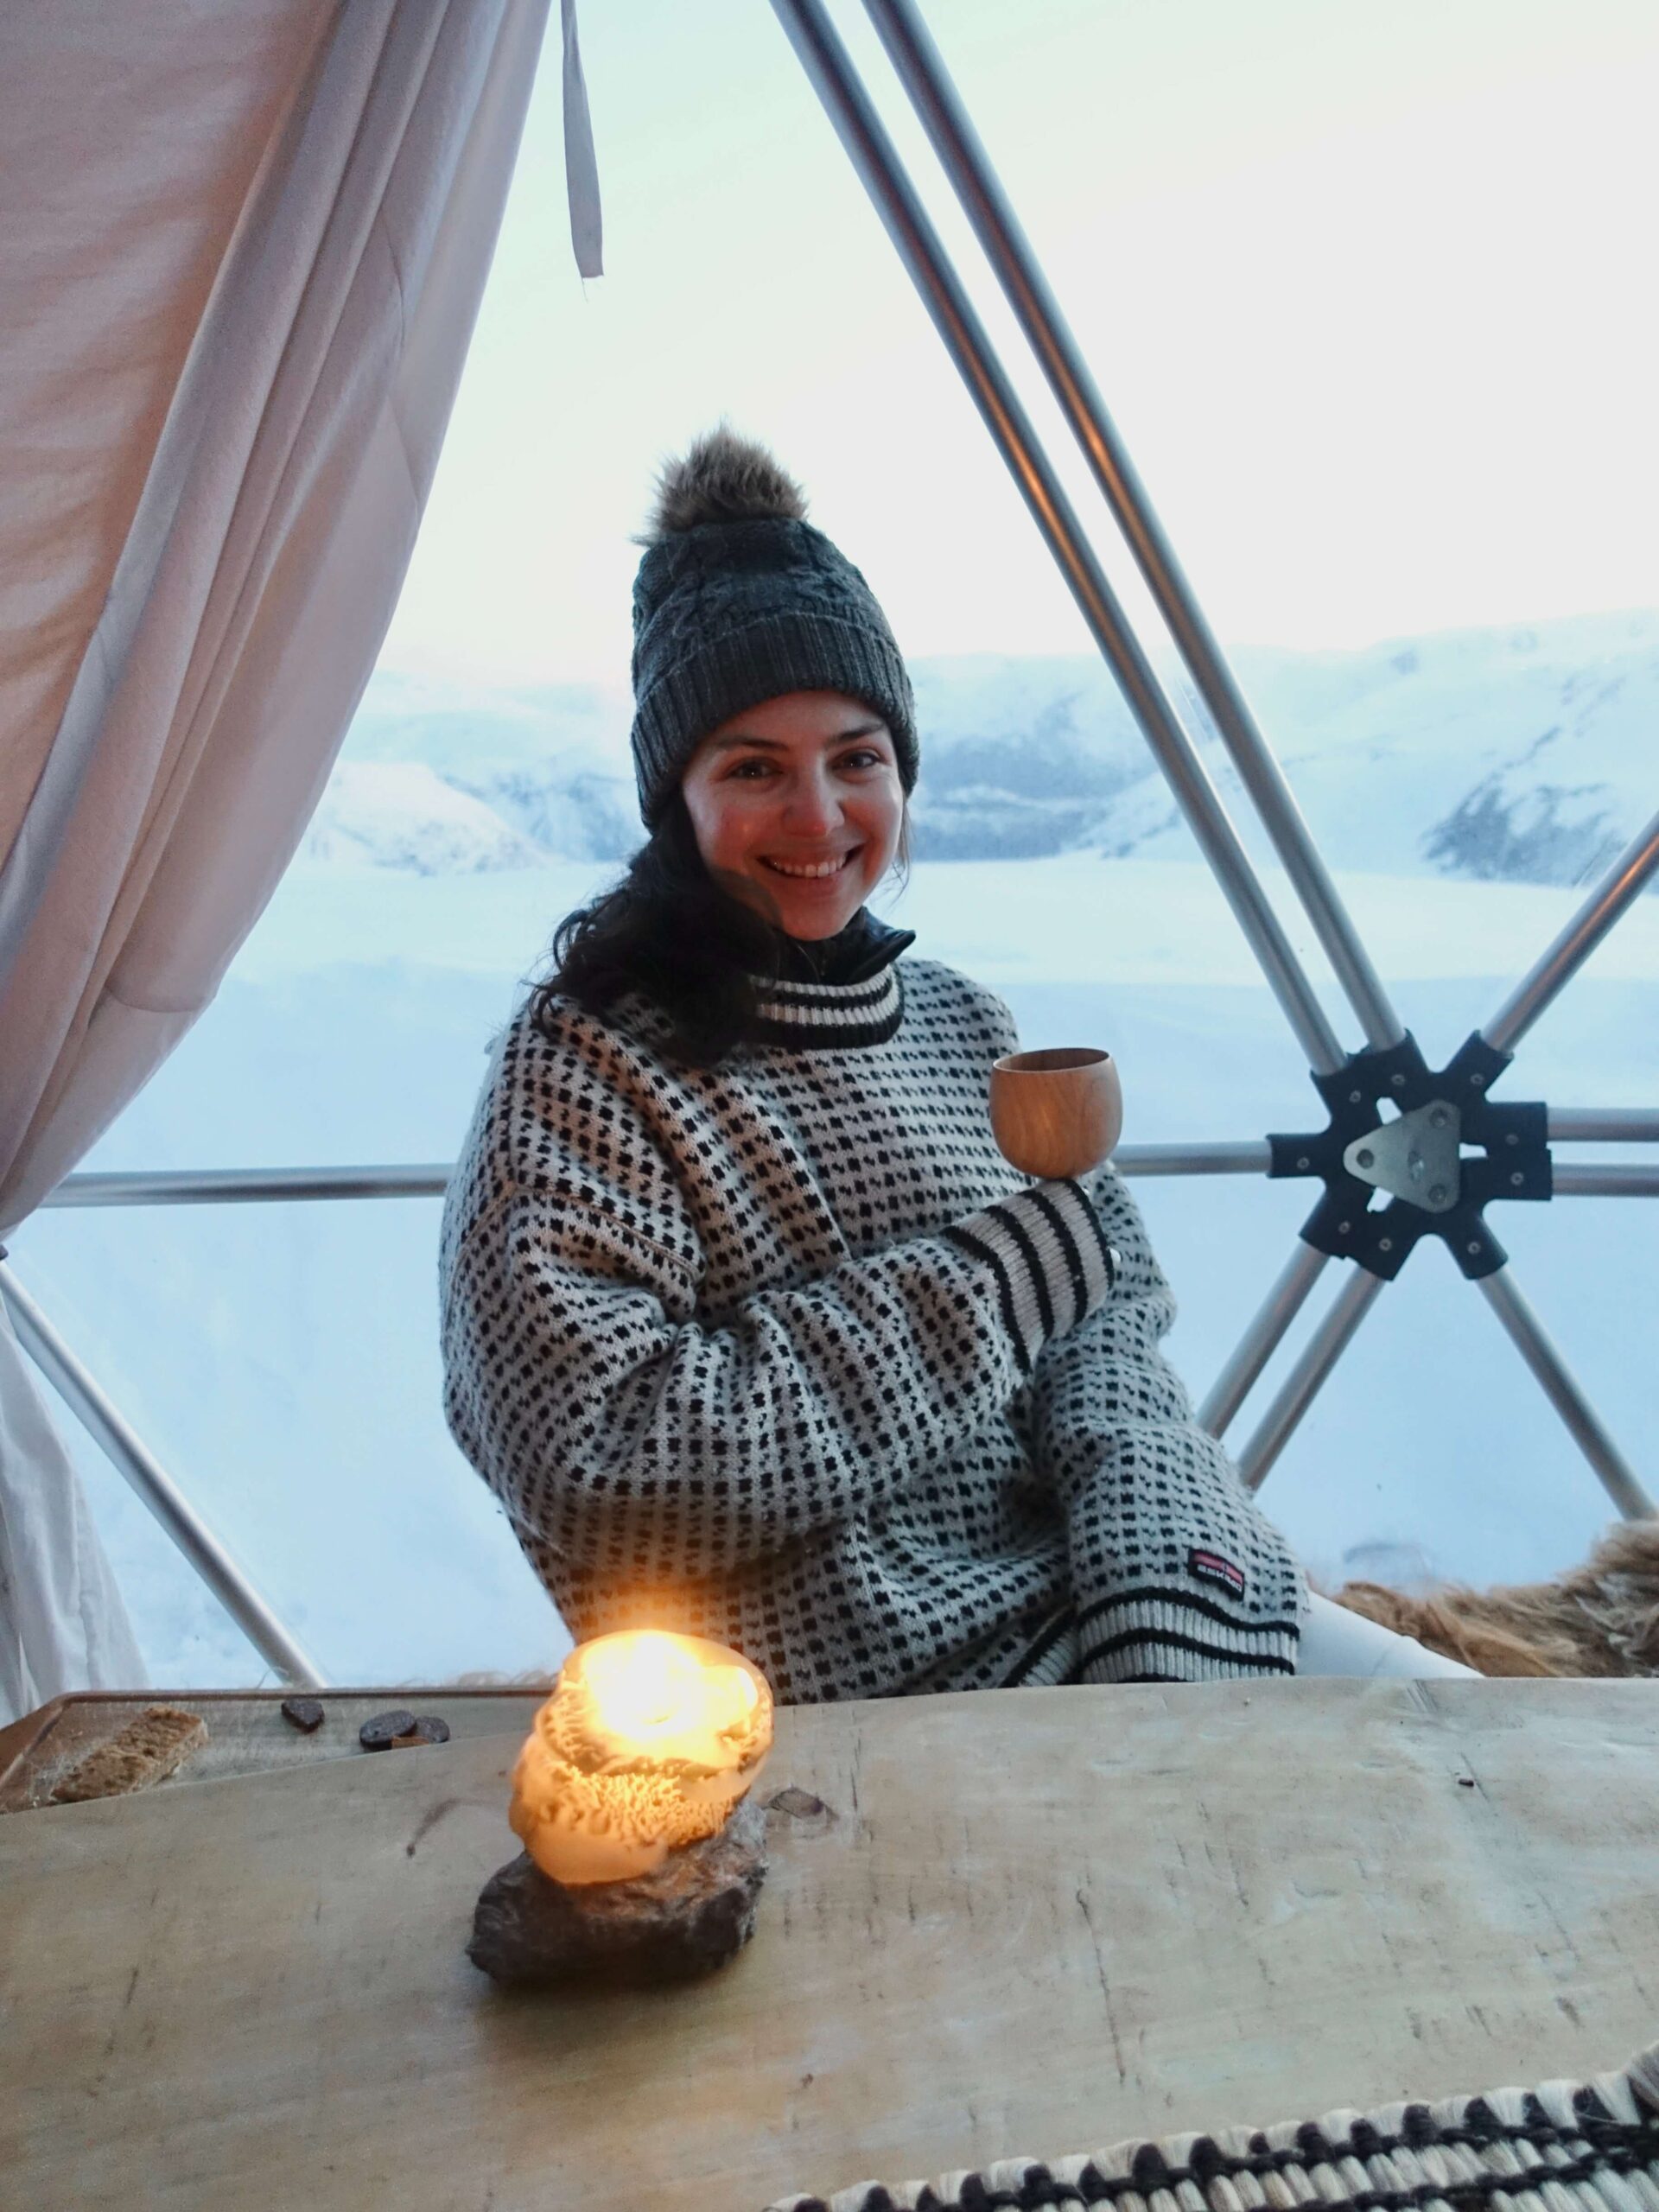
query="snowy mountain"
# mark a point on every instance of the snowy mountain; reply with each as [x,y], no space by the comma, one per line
[401,814]
[1020,758]
[1521,754]
[1518,754]
[550,765]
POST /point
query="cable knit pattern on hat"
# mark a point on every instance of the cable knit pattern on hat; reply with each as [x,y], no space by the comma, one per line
[784,1353]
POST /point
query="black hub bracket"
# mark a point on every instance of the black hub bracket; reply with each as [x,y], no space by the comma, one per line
[1514,1163]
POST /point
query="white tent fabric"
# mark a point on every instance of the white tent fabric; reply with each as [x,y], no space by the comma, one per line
[63,1624]
[244,246]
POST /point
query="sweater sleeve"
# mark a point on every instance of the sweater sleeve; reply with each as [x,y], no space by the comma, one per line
[640,1437]
[1177,1575]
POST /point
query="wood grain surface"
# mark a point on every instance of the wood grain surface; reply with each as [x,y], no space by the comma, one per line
[1027,1922]
[246,1732]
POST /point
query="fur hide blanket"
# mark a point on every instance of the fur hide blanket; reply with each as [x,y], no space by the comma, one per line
[1601,1619]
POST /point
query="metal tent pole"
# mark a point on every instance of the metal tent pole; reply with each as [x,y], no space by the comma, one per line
[134,1459]
[1262,1339]
[921,69]
[225,1185]
[1302,1385]
[839,87]
[1623,1178]
[1252,1156]
[219,1187]
[1527,1333]
[1602,1125]
[213,1186]
[1557,965]
[1240,1156]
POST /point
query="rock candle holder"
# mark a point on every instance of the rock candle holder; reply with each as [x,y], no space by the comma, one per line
[642,1860]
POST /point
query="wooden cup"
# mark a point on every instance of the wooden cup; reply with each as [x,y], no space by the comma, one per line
[1058,1113]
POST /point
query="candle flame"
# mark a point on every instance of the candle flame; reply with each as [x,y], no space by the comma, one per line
[648,1686]
[647,1742]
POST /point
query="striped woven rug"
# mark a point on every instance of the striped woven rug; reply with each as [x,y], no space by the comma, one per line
[1568,2146]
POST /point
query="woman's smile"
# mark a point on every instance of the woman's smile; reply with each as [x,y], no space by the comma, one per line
[810,871]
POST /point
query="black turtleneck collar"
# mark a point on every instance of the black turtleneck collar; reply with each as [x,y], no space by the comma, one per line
[863,948]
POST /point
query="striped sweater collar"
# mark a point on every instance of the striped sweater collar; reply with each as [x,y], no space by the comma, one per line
[829,1017]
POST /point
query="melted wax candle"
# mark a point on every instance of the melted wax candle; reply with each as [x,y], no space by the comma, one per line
[647,1742]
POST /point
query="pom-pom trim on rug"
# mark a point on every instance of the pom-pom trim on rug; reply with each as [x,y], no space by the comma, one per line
[1569,2146]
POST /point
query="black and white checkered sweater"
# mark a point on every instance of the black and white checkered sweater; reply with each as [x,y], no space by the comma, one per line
[784,1353]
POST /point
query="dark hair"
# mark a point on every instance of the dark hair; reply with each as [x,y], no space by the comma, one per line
[668,931]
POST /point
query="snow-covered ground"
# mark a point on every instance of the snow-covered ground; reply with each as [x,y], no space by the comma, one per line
[283,1359]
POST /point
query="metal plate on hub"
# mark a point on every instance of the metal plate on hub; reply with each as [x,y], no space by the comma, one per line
[1415,1157]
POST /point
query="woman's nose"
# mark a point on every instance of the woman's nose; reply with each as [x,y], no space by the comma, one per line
[811,808]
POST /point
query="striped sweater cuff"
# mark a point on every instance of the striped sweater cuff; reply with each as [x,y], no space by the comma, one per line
[1179,1638]
[1050,1258]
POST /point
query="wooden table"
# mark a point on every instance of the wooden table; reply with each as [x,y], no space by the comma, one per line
[1029,1922]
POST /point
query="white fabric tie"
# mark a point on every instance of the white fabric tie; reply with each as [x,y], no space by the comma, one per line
[581,168]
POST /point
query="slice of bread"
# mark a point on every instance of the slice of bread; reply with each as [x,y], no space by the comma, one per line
[146,1750]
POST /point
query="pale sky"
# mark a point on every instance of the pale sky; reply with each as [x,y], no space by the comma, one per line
[1370,289]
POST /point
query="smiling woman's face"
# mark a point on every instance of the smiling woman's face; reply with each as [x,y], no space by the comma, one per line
[797,806]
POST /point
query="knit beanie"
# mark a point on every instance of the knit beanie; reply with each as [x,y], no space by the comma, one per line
[738,599]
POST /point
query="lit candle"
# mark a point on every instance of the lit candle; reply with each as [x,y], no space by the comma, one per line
[647,1742]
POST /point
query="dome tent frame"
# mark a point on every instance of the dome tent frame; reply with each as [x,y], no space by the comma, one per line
[922,72]
[918,64]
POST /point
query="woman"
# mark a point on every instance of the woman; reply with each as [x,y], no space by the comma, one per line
[746,1321]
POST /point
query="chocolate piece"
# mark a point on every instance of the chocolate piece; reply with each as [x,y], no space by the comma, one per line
[695,1912]
[797,1804]
[429,1729]
[383,1730]
[799,1815]
[304,1712]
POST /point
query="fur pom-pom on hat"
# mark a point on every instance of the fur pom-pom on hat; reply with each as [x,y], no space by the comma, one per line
[722,478]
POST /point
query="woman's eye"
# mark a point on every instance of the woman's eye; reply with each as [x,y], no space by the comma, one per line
[760,767]
[865,757]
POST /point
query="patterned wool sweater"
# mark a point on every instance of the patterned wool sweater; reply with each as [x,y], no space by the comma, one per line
[785,1353]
